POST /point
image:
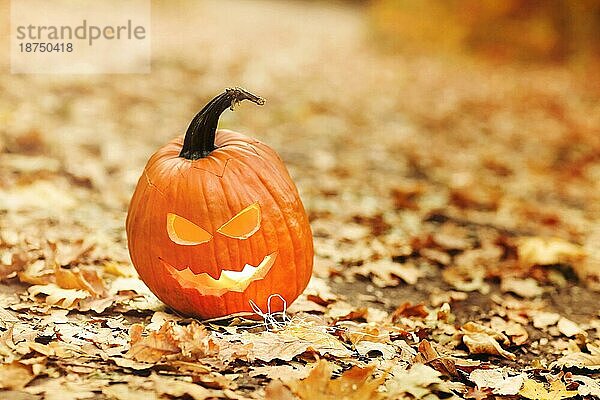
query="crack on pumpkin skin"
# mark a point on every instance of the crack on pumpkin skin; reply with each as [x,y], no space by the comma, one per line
[218,175]
[152,185]
[249,146]
[228,280]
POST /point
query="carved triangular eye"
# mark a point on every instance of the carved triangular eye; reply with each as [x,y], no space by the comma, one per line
[184,232]
[244,224]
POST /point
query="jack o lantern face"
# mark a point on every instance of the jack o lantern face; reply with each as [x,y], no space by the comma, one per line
[242,226]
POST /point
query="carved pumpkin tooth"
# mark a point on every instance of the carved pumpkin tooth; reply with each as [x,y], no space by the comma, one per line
[246,273]
[229,281]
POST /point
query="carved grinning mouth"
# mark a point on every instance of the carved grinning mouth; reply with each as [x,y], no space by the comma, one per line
[228,281]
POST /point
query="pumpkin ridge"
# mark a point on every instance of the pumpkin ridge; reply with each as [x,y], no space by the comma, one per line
[216,229]
[263,233]
[254,148]
[242,195]
[286,185]
[224,212]
[147,223]
[283,217]
[294,244]
[203,190]
[177,191]
[264,243]
[271,283]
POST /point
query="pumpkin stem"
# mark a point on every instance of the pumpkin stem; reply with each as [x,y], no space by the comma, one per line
[199,139]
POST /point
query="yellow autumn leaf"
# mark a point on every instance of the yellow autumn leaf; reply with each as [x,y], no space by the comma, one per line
[152,348]
[55,295]
[295,339]
[355,384]
[480,339]
[546,251]
[77,278]
[537,391]
[15,376]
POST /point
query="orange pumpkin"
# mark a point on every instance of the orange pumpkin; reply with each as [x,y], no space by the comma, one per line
[216,221]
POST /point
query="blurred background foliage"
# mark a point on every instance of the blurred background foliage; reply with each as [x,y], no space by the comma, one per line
[507,30]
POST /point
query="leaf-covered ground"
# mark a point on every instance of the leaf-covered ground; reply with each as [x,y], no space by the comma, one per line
[455,207]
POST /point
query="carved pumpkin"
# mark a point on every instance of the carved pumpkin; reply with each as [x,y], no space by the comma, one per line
[216,221]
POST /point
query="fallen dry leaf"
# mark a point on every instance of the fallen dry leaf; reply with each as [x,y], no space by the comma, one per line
[579,360]
[129,363]
[269,346]
[57,296]
[176,388]
[544,319]
[547,251]
[569,328]
[499,381]
[356,333]
[292,341]
[527,288]
[319,291]
[418,381]
[474,327]
[537,391]
[516,332]
[408,310]
[481,343]
[439,297]
[482,340]
[62,388]
[431,357]
[59,349]
[194,340]
[386,273]
[6,343]
[466,278]
[15,376]
[9,270]
[342,311]
[276,390]
[354,384]
[478,394]
[589,387]
[80,278]
[368,348]
[154,347]
[281,372]
[72,252]
[36,273]
[123,391]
